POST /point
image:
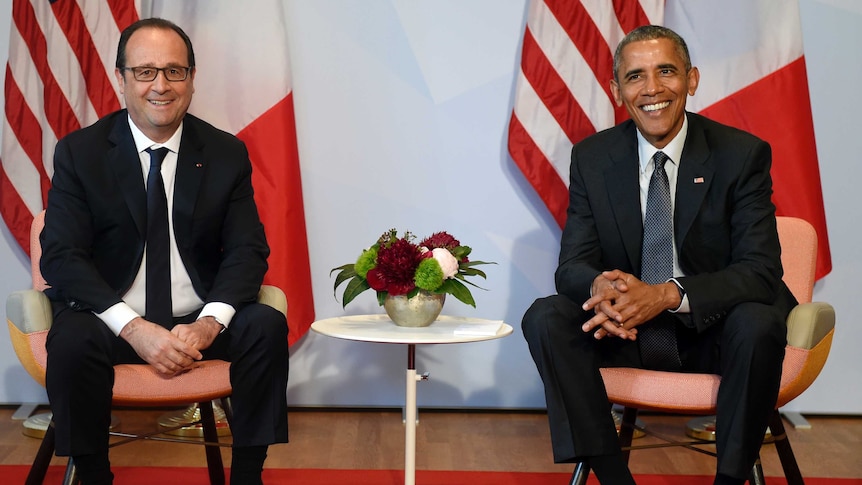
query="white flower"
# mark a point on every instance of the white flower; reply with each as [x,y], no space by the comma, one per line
[448,263]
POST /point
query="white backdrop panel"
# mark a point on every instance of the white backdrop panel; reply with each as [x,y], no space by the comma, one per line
[402,109]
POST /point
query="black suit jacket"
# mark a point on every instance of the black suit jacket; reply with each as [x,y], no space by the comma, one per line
[95,225]
[724,219]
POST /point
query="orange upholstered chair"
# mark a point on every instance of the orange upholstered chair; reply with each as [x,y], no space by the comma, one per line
[28,314]
[810,327]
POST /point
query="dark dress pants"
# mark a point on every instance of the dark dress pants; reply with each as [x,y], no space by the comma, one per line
[747,349]
[82,352]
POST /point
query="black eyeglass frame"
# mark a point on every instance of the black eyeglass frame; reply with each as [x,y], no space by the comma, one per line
[138,74]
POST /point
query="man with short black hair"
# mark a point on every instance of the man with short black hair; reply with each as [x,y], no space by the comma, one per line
[669,260]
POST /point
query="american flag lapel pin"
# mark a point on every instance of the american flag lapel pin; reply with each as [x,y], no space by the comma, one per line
[698,180]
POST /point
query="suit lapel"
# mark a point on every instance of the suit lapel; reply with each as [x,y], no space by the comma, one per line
[693,180]
[623,187]
[126,164]
[191,167]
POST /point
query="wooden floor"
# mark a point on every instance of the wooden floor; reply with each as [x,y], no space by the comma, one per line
[457,440]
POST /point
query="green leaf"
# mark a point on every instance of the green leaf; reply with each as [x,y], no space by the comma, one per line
[473,272]
[458,290]
[474,285]
[356,286]
[346,272]
[461,252]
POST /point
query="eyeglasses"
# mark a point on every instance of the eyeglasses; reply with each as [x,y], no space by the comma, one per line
[148,73]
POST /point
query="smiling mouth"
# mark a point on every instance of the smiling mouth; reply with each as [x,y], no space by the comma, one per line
[655,107]
[159,103]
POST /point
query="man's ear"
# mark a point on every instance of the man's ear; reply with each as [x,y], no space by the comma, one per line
[693,80]
[615,92]
[121,81]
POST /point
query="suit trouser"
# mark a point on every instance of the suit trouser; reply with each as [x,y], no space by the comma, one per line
[746,349]
[80,376]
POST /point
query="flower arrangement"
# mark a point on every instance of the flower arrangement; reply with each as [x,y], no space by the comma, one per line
[398,266]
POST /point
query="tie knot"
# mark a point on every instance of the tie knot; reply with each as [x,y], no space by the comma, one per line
[157,156]
[659,159]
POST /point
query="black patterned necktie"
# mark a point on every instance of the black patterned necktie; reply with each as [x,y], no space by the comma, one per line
[158,271]
[658,337]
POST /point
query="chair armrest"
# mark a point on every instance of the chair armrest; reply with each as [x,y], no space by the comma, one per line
[29,310]
[29,316]
[808,323]
[274,297]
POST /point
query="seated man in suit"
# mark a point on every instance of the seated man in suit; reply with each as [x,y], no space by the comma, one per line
[680,271]
[155,253]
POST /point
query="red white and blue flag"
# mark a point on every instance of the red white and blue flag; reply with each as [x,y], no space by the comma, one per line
[60,77]
[563,95]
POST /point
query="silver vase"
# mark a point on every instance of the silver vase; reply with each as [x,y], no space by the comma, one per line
[419,311]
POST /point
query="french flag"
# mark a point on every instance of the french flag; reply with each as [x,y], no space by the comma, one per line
[243,86]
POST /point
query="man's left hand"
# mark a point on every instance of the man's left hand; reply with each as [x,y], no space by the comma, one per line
[200,334]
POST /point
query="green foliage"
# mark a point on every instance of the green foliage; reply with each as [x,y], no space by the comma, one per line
[429,275]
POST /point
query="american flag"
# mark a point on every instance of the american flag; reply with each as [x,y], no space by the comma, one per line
[563,89]
[563,94]
[59,78]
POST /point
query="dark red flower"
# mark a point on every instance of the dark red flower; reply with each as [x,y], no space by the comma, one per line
[440,240]
[396,266]
[375,280]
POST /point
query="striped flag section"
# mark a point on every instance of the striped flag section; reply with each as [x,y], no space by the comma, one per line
[59,77]
[562,93]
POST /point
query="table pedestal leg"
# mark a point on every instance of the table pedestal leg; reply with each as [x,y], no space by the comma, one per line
[410,419]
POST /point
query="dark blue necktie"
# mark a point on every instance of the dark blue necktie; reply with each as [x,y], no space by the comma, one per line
[658,337]
[158,306]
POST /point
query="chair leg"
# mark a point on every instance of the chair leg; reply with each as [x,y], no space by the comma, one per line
[757,477]
[214,461]
[581,473]
[71,476]
[227,407]
[785,452]
[627,430]
[43,458]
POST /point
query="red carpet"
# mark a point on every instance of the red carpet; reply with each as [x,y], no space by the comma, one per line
[15,474]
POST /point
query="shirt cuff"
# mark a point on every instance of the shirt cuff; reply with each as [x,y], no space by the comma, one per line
[684,306]
[222,312]
[117,316]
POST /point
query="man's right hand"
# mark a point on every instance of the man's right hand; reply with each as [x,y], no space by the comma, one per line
[168,354]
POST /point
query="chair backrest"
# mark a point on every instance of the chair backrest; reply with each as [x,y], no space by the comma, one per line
[798,255]
[39,282]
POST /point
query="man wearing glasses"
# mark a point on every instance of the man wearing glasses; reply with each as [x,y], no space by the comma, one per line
[155,253]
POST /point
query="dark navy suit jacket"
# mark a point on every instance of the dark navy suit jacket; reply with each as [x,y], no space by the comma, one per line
[95,227]
[724,218]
